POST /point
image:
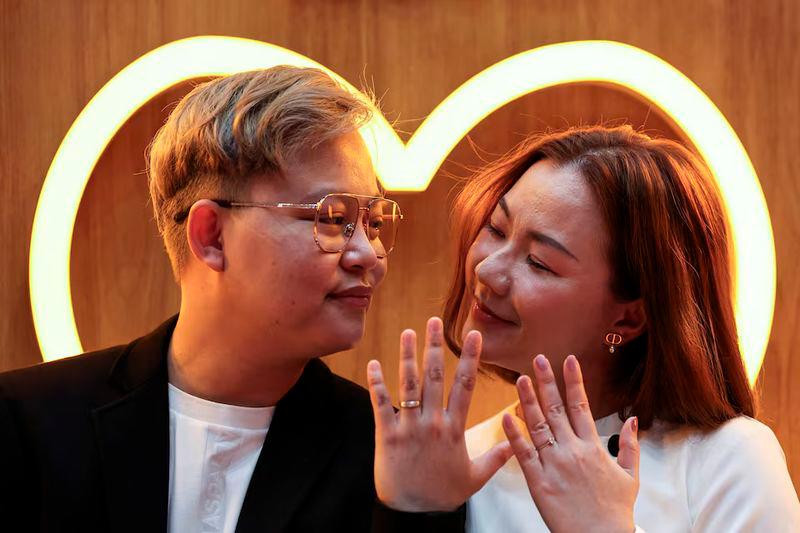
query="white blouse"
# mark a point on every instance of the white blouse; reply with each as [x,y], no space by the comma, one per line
[728,480]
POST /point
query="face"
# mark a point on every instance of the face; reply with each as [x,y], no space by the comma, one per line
[538,276]
[286,290]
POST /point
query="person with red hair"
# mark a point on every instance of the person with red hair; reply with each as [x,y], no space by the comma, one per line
[596,263]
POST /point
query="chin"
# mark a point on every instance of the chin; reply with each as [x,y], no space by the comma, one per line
[494,352]
[343,337]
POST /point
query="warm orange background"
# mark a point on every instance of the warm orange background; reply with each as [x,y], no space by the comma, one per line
[55,55]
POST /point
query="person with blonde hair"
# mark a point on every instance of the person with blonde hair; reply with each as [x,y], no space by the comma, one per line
[223,418]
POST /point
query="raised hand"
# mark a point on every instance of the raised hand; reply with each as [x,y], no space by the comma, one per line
[574,482]
[421,461]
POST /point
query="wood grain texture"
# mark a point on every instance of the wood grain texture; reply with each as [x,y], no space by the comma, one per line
[55,55]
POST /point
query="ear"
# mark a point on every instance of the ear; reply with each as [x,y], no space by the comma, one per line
[204,234]
[631,320]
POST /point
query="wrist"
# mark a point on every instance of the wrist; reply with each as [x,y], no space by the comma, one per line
[409,505]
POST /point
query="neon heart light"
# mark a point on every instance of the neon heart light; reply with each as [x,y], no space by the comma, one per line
[409,167]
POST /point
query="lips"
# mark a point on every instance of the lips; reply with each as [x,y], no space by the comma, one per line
[484,313]
[358,296]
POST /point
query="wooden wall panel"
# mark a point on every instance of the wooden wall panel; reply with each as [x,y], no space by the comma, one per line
[55,55]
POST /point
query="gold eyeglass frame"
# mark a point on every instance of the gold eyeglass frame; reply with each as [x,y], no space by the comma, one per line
[228,204]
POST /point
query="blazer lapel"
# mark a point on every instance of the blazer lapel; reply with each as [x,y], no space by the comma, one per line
[132,432]
[302,439]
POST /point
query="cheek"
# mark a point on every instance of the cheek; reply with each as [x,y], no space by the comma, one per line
[286,271]
[564,317]
[379,272]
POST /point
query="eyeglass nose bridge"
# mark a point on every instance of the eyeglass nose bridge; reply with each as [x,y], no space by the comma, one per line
[350,229]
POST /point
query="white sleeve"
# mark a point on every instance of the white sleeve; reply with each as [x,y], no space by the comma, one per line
[737,480]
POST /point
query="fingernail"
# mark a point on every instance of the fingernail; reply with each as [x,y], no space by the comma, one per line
[541,362]
[635,424]
[572,363]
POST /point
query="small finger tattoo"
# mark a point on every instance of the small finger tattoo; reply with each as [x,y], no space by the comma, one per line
[468,382]
[410,384]
[436,374]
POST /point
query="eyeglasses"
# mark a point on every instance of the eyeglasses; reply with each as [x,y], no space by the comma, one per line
[336,217]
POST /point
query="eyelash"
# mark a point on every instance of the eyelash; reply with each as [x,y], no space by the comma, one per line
[534,264]
[494,231]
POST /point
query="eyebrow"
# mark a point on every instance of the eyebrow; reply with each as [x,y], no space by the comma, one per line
[317,195]
[538,236]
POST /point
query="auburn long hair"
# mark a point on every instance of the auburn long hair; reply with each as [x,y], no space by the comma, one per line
[669,244]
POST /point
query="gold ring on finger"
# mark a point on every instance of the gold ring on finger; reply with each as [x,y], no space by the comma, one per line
[551,441]
[410,404]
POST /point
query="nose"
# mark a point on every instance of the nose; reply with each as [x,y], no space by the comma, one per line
[492,272]
[359,254]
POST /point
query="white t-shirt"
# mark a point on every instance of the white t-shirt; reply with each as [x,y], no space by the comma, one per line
[213,450]
[729,480]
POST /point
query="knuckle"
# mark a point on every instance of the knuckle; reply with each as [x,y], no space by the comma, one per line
[579,407]
[564,459]
[597,452]
[435,342]
[455,434]
[436,374]
[547,488]
[528,455]
[541,427]
[556,410]
[579,458]
[391,438]
[467,381]
[409,384]
[382,399]
[547,378]
[435,428]
[633,445]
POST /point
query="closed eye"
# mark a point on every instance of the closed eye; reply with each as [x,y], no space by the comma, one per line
[493,230]
[539,266]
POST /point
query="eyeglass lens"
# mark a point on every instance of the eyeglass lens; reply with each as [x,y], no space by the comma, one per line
[338,217]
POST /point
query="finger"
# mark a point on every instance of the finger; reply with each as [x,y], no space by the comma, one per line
[465,379]
[580,415]
[433,368]
[535,420]
[381,401]
[409,375]
[550,400]
[485,466]
[524,451]
[628,456]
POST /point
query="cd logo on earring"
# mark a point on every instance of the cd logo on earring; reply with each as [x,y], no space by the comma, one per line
[612,340]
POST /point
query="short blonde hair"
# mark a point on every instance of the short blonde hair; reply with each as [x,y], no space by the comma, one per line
[229,130]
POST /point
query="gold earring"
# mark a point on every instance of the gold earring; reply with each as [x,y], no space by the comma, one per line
[612,340]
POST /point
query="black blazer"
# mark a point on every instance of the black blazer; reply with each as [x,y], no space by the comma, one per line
[84,446]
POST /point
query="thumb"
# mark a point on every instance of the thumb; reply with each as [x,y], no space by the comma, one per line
[485,466]
[628,456]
